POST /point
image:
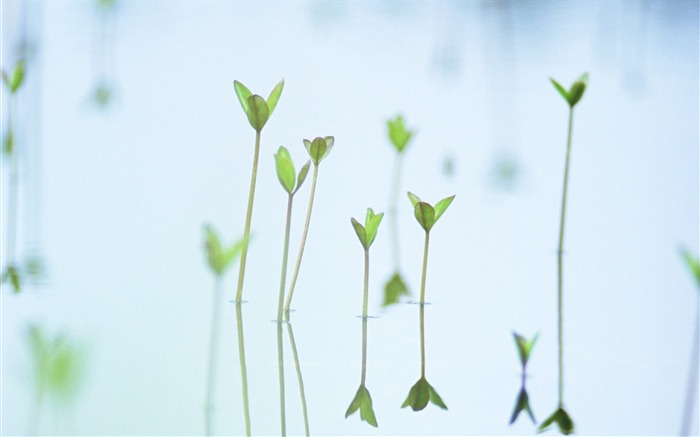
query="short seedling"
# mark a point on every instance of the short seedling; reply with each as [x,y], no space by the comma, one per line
[318,149]
[258,110]
[691,390]
[524,347]
[400,137]
[219,259]
[560,416]
[362,399]
[291,182]
[13,83]
[427,215]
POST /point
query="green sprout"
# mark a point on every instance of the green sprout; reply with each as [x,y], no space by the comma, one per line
[572,97]
[522,403]
[219,259]
[692,386]
[13,82]
[422,392]
[362,399]
[258,111]
[318,149]
[291,182]
[399,136]
[59,366]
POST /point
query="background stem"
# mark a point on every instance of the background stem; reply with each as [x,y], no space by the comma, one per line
[244,372]
[691,392]
[213,354]
[393,216]
[302,244]
[285,255]
[560,253]
[299,378]
[248,218]
[364,318]
[280,366]
[12,207]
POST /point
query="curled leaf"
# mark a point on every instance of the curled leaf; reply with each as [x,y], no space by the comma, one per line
[257,112]
[242,92]
[363,402]
[441,206]
[285,169]
[318,149]
[425,214]
[301,177]
[274,96]
[420,394]
[399,135]
[413,198]
[562,419]
[394,288]
[360,231]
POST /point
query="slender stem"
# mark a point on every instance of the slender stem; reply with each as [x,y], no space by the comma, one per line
[302,244]
[299,378]
[425,267]
[213,353]
[691,392]
[285,254]
[13,194]
[280,366]
[364,318]
[244,372]
[422,340]
[393,205]
[560,253]
[248,218]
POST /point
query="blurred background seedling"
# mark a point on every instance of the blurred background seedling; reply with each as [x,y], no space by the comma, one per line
[522,403]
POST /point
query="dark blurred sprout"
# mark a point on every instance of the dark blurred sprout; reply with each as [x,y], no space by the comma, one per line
[448,166]
[394,289]
[524,347]
[562,419]
[102,95]
[58,365]
[505,172]
[693,265]
[522,404]
[219,257]
[11,275]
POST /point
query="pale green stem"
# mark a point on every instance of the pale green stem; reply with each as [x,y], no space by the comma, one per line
[691,392]
[299,378]
[213,353]
[248,218]
[422,304]
[13,194]
[364,319]
[302,244]
[285,254]
[280,365]
[244,372]
[560,253]
[393,215]
[425,267]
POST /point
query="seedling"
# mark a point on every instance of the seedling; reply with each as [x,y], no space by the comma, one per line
[58,369]
[427,216]
[572,97]
[219,259]
[692,386]
[524,347]
[291,182]
[400,137]
[362,400]
[318,149]
[258,110]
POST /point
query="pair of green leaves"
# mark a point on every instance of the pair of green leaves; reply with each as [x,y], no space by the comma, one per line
[420,394]
[575,92]
[257,109]
[363,402]
[562,419]
[58,363]
[522,404]
[319,148]
[291,182]
[367,232]
[218,257]
[14,81]
[398,134]
[425,213]
[524,347]
[394,289]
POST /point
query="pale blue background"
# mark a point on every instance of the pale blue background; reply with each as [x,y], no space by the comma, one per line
[119,197]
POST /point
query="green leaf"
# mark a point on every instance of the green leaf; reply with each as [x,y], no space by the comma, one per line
[524,347]
[8,142]
[435,398]
[693,264]
[360,231]
[58,363]
[302,175]
[419,395]
[561,89]
[363,402]
[330,141]
[274,96]
[425,214]
[11,275]
[372,222]
[394,288]
[242,93]
[317,149]
[257,113]
[522,403]
[398,134]
[285,169]
[219,258]
[562,419]
[413,198]
[14,82]
[441,206]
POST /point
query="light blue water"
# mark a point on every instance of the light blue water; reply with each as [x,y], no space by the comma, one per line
[121,196]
